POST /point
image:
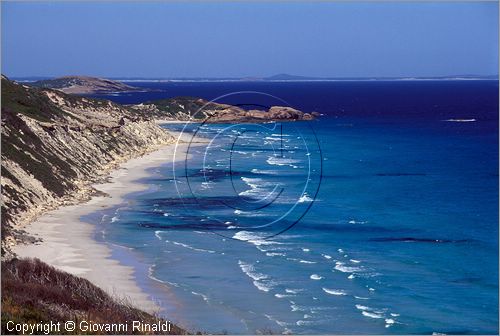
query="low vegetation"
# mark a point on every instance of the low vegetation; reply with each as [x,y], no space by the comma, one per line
[34,292]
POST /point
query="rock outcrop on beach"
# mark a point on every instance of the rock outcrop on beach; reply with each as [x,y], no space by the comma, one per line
[55,145]
[84,85]
[197,109]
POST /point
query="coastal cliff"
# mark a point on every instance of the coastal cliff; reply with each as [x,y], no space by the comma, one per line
[55,145]
[197,109]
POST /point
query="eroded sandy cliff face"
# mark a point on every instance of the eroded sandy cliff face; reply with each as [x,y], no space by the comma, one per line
[54,145]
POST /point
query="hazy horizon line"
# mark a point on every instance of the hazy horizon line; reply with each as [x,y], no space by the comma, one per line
[254,78]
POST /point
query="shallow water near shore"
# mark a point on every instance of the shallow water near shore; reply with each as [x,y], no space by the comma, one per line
[352,224]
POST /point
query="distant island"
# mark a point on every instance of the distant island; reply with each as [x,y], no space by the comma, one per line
[296,78]
[292,78]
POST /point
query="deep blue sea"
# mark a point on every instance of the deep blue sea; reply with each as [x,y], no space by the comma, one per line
[379,217]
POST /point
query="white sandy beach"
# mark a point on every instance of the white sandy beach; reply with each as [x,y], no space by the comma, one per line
[68,243]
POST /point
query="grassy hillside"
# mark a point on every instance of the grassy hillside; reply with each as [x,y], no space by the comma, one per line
[33,292]
[180,108]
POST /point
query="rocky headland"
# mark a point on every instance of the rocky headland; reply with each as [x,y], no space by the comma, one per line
[84,85]
[201,110]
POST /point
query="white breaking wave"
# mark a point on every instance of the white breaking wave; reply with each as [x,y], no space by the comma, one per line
[281,296]
[191,247]
[262,286]
[249,270]
[376,314]
[275,254]
[260,280]
[271,248]
[334,291]
[307,262]
[205,298]
[248,213]
[316,277]
[372,315]
[305,198]
[264,171]
[259,189]
[340,266]
[158,234]
[356,222]
[206,185]
[279,161]
[151,276]
[272,138]
[361,307]
[302,323]
[302,261]
[389,322]
[297,307]
[460,120]
[254,239]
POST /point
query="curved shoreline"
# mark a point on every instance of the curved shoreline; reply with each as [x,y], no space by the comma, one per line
[69,244]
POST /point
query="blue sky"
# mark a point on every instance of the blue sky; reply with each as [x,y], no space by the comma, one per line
[336,39]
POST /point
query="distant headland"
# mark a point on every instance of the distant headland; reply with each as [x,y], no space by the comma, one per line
[84,85]
[177,108]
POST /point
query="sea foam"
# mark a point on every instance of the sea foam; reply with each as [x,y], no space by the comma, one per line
[334,291]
